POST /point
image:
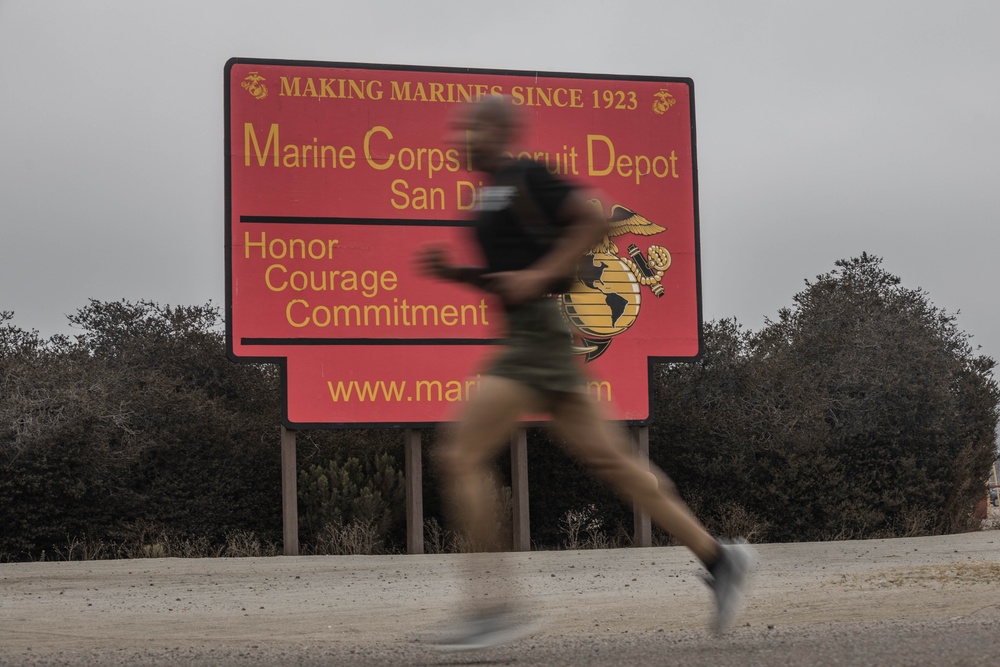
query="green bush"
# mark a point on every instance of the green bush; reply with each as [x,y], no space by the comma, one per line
[366,491]
[140,418]
[861,412]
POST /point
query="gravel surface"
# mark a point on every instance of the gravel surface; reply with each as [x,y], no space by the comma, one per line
[915,601]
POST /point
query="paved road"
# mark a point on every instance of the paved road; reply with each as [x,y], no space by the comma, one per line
[972,642]
[920,601]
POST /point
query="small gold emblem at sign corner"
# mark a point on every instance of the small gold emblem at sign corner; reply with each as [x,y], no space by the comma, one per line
[253,85]
[664,100]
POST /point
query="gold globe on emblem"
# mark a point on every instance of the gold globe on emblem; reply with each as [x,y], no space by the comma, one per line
[604,300]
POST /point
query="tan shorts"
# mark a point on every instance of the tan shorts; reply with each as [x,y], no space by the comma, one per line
[539,349]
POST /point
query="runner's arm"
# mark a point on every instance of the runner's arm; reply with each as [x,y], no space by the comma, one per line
[432,262]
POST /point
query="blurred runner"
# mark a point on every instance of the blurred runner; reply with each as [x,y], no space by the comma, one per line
[533,229]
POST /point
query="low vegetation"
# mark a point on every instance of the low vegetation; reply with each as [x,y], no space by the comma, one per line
[860,411]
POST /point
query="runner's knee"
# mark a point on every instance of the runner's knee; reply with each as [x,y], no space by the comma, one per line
[629,476]
[665,484]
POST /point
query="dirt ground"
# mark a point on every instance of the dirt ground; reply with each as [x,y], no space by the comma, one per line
[916,601]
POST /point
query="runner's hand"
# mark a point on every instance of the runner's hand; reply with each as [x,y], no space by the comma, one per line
[432,261]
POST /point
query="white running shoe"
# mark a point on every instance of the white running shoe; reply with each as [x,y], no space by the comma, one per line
[730,582]
[483,630]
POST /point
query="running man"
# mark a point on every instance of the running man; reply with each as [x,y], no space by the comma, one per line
[533,229]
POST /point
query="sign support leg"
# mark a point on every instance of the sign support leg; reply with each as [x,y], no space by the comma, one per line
[521,523]
[289,494]
[642,535]
[414,493]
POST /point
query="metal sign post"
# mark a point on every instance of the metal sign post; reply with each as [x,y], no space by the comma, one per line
[289,494]
[414,493]
[521,520]
[642,535]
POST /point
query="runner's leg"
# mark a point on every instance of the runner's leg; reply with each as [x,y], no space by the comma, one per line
[469,449]
[604,446]
[491,612]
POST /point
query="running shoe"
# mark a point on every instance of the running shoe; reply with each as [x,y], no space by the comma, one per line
[484,629]
[730,581]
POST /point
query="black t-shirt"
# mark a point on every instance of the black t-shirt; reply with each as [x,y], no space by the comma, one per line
[517,222]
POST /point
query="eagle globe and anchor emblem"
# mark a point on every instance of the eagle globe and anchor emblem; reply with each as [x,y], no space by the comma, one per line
[252,84]
[604,300]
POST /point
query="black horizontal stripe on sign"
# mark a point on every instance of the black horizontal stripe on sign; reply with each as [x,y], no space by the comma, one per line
[372,341]
[384,222]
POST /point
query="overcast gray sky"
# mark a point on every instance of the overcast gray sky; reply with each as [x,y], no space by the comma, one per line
[824,130]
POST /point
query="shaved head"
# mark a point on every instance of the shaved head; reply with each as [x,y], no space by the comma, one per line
[497,110]
[485,129]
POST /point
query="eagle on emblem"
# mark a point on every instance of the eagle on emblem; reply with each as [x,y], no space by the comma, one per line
[623,220]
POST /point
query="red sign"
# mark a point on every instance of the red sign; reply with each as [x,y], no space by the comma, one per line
[337,173]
